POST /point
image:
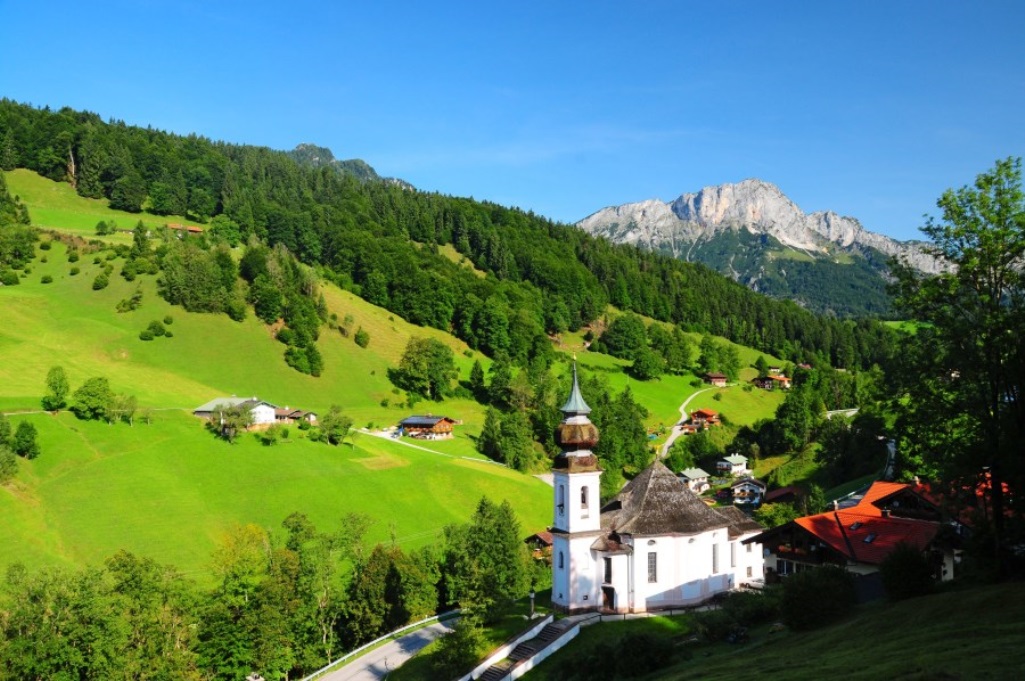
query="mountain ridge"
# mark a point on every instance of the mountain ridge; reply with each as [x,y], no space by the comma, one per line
[759,206]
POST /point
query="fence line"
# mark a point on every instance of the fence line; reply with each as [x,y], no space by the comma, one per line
[386,637]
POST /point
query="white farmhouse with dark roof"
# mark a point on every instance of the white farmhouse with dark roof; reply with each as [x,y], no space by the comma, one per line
[263,412]
[696,479]
[655,545]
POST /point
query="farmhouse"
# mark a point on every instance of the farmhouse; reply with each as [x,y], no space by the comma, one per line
[705,418]
[772,382]
[734,464]
[696,479]
[263,412]
[655,545]
[859,538]
[716,379]
[748,492]
[427,427]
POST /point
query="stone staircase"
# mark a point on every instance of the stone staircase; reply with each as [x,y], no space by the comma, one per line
[526,650]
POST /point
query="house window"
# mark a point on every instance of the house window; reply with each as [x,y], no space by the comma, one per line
[652,567]
[733,555]
[562,562]
[750,572]
[608,571]
[561,505]
[749,548]
[715,559]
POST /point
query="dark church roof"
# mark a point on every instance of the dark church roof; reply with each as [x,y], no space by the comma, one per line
[740,523]
[657,502]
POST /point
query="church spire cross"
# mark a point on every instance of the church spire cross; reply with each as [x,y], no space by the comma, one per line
[575,405]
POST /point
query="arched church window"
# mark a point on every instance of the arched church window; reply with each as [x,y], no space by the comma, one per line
[561,505]
[583,497]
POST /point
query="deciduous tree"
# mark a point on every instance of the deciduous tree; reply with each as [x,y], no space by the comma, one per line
[57,389]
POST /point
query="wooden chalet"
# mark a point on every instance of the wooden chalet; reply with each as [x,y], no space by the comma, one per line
[427,427]
[705,418]
[772,382]
[540,544]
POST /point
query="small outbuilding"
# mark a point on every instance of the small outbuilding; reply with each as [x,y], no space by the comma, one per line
[716,379]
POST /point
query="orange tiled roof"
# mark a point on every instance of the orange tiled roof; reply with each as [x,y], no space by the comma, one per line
[864,533]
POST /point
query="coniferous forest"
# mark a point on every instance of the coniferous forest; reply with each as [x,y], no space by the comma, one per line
[380,239]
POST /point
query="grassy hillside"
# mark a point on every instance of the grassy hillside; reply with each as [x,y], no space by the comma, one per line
[55,205]
[169,489]
[972,634]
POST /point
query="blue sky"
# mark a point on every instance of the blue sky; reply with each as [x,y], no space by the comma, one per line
[870,109]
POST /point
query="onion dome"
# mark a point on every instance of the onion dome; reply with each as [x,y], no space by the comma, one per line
[576,432]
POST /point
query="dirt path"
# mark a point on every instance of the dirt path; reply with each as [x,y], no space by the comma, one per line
[677,430]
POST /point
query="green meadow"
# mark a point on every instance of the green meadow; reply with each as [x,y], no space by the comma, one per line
[169,489]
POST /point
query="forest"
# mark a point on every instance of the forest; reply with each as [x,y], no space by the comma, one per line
[380,239]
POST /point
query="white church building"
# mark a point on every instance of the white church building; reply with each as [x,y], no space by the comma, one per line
[655,545]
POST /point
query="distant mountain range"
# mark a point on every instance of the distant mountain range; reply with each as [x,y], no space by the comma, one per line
[752,232]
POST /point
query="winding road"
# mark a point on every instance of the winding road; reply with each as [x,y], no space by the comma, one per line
[677,430]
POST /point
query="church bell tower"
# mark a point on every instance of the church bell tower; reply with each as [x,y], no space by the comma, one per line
[577,518]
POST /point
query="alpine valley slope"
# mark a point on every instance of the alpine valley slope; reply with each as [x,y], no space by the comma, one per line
[752,232]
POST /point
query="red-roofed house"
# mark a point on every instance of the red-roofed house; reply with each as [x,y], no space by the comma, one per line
[704,418]
[860,537]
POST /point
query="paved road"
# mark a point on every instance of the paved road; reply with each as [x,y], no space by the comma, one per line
[676,428]
[376,664]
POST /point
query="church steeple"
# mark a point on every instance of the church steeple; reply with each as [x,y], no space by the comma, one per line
[575,405]
[576,435]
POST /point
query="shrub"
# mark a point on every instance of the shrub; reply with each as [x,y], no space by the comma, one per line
[47,279]
[72,256]
[714,625]
[9,278]
[146,335]
[156,328]
[286,336]
[816,597]
[168,320]
[168,334]
[100,282]
[45,246]
[74,271]
[642,653]
[362,338]
[97,260]
[750,608]
[44,259]
[906,573]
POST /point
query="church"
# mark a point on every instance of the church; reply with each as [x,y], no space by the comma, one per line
[655,545]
